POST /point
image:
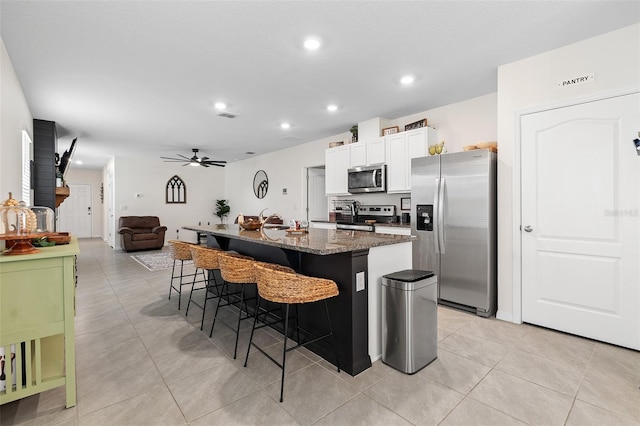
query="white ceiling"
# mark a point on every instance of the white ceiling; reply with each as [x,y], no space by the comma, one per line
[141,77]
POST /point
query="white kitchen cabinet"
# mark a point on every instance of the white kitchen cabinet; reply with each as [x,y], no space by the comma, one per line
[337,161]
[376,153]
[400,149]
[357,154]
[367,153]
[397,155]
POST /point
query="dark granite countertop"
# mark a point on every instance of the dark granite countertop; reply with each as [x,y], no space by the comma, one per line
[316,241]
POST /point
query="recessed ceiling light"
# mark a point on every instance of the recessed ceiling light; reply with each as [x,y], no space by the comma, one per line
[407,79]
[249,152]
[332,108]
[220,105]
[312,43]
[285,125]
[79,162]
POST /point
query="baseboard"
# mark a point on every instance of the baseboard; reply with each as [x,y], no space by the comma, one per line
[504,316]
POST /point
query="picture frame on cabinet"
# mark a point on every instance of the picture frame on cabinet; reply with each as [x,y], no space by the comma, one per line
[416,125]
[390,130]
[405,203]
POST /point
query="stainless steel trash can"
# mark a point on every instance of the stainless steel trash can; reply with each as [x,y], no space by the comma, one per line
[409,319]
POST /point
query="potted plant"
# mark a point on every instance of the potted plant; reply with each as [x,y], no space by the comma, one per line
[222,209]
[354,133]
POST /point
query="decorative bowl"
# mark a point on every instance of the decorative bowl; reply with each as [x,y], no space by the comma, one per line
[250,225]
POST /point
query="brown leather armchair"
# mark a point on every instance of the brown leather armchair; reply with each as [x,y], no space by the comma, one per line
[141,233]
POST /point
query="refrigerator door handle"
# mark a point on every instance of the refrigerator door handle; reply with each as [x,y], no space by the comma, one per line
[436,219]
[440,236]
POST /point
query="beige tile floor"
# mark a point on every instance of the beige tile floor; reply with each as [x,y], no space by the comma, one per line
[140,361]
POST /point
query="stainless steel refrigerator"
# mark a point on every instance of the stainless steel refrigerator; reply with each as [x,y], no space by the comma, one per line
[453,202]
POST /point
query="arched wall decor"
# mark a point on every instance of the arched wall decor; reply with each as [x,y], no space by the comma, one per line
[176,191]
[260,184]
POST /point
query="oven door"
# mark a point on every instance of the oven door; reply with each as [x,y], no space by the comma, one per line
[367,179]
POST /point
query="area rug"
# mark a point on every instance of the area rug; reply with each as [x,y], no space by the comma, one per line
[156,261]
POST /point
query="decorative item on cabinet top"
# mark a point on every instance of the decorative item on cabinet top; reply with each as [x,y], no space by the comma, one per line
[354,133]
[416,124]
[390,130]
[491,146]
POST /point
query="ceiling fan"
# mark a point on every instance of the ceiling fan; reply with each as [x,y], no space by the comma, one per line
[195,160]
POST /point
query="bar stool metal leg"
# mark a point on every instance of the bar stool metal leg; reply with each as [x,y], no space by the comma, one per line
[284,350]
[193,284]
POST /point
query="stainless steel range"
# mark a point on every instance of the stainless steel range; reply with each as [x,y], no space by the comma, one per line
[366,217]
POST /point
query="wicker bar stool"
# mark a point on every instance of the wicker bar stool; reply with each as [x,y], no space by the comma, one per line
[204,259]
[235,269]
[287,288]
[180,251]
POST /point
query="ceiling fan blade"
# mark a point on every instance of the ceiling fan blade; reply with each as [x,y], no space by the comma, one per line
[174,159]
[204,164]
[204,158]
[217,165]
[186,158]
[216,161]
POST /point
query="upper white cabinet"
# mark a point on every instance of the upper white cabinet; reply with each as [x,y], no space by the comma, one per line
[376,153]
[358,154]
[367,153]
[400,149]
[336,163]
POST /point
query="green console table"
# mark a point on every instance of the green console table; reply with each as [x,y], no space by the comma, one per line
[37,308]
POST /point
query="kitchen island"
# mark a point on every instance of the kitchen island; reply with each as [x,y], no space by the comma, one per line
[355,260]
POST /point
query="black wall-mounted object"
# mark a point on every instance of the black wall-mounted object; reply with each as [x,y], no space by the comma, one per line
[45,143]
[66,158]
[260,184]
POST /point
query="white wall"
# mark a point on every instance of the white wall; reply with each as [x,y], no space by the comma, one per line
[285,169]
[93,178]
[462,123]
[15,117]
[614,59]
[148,177]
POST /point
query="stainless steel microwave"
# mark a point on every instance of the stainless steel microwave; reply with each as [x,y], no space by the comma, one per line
[367,179]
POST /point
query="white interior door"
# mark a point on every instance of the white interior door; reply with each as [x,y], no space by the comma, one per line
[581,220]
[74,214]
[317,208]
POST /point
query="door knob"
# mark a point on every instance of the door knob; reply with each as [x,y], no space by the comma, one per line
[528,228]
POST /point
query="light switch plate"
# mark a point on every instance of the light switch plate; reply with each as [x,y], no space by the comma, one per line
[360,281]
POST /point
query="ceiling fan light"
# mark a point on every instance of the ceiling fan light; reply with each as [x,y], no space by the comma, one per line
[194,164]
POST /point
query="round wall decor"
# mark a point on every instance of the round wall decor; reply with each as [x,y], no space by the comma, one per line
[260,184]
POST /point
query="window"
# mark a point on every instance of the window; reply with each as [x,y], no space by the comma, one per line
[176,191]
[27,146]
